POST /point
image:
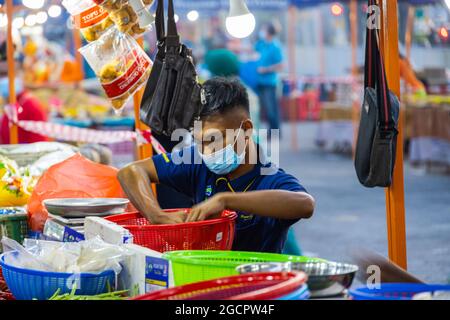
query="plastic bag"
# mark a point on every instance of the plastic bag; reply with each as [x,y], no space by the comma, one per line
[75,177]
[97,256]
[23,258]
[48,160]
[120,64]
[129,16]
[91,19]
[92,256]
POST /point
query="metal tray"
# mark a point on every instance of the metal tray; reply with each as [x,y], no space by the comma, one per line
[79,207]
[325,279]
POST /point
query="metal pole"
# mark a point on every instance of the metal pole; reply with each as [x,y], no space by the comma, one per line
[409,31]
[395,195]
[13,130]
[143,151]
[77,45]
[354,42]
[408,40]
[292,61]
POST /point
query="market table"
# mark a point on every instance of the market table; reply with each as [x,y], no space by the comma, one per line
[428,128]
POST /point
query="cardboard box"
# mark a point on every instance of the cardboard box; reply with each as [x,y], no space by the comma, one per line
[108,231]
[144,271]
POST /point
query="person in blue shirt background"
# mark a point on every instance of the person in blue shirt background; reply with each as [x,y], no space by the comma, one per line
[270,63]
[223,175]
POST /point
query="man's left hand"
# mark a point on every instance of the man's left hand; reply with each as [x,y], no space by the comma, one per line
[263,70]
[207,209]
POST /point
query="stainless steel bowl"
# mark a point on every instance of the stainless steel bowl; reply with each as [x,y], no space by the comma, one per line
[325,279]
[79,207]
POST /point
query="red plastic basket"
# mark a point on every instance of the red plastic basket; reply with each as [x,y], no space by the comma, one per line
[215,234]
[5,294]
[256,286]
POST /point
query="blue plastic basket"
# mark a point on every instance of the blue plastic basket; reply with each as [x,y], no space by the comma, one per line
[33,284]
[395,291]
[301,293]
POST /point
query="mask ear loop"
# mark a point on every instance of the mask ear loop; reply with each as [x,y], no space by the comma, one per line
[236,139]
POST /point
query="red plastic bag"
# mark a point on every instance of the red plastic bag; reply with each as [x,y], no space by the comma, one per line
[76,177]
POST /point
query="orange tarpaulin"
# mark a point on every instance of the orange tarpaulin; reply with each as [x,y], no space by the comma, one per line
[76,177]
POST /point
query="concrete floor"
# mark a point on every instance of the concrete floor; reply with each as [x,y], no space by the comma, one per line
[348,215]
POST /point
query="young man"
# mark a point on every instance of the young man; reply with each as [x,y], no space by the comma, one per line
[269,65]
[267,205]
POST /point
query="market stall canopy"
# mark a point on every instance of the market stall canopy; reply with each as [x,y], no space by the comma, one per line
[212,6]
[308,3]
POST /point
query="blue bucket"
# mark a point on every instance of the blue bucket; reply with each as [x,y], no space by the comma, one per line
[28,284]
[395,291]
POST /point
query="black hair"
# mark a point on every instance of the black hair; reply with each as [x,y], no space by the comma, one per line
[221,95]
[271,29]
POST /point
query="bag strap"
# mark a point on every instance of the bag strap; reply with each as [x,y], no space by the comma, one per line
[172,39]
[159,22]
[375,75]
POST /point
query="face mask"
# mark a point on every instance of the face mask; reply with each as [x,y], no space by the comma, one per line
[225,160]
[262,34]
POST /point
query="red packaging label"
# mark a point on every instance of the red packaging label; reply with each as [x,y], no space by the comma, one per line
[90,17]
[134,73]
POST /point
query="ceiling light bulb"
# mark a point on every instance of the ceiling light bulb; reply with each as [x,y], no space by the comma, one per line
[240,22]
[54,11]
[33,4]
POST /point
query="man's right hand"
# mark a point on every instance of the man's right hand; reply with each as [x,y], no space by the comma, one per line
[170,217]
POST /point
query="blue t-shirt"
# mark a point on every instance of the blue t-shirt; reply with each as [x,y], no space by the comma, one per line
[270,54]
[253,232]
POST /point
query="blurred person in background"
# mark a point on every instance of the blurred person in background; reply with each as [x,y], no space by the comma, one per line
[28,108]
[270,63]
[409,76]
[222,62]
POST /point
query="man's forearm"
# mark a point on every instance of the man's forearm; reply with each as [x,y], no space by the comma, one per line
[271,203]
[275,67]
[137,186]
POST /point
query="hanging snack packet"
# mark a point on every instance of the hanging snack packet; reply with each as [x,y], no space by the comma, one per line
[91,19]
[120,64]
[130,17]
[110,5]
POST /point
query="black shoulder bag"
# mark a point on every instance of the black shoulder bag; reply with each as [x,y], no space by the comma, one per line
[172,95]
[377,136]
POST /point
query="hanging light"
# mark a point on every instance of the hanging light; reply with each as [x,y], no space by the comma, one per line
[33,4]
[30,20]
[41,17]
[3,20]
[54,11]
[443,32]
[193,15]
[337,9]
[240,22]
[18,22]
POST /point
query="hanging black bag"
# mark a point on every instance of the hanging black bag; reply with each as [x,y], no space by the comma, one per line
[172,95]
[377,135]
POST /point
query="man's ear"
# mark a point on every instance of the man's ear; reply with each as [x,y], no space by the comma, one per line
[248,126]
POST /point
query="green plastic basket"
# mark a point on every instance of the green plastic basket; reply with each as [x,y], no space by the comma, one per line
[199,265]
[14,226]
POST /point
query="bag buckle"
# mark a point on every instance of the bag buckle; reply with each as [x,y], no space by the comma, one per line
[203,96]
[387,134]
[160,43]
